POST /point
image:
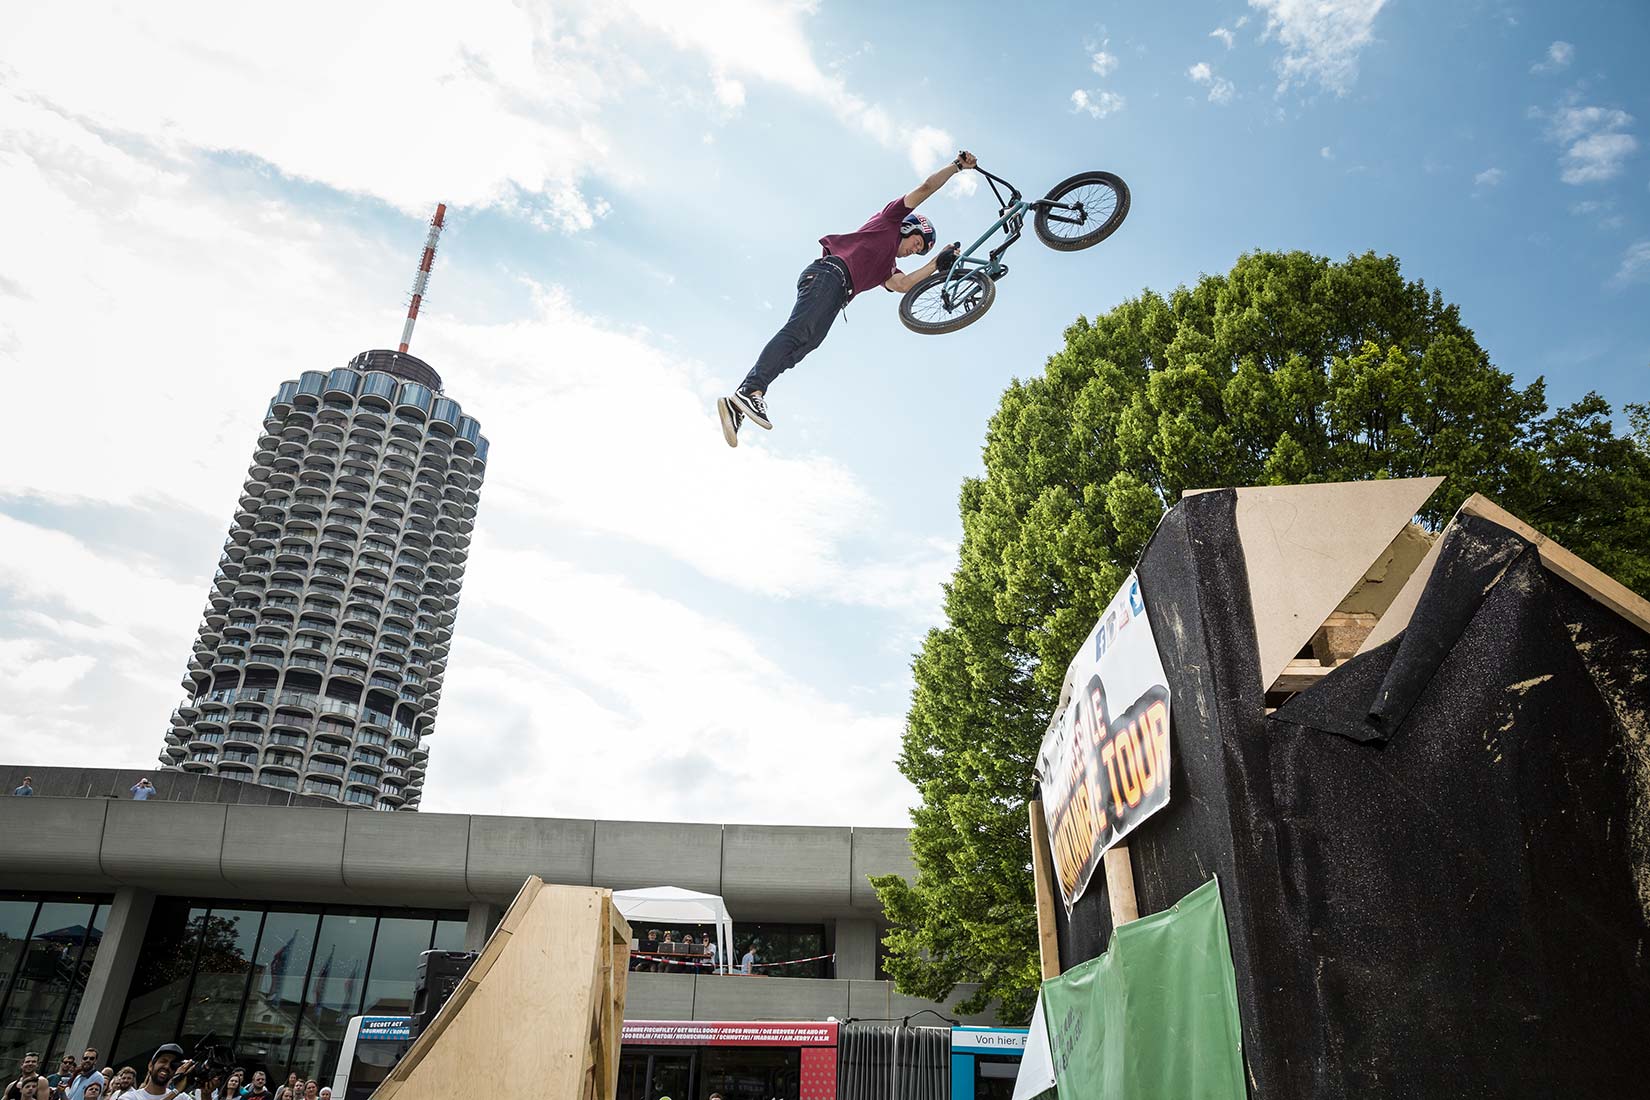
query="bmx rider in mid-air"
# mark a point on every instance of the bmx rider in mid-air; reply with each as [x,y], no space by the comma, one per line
[851,262]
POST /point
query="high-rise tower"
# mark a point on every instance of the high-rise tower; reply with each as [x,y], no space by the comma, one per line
[319,663]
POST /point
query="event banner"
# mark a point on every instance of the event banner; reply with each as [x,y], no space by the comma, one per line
[1104,761]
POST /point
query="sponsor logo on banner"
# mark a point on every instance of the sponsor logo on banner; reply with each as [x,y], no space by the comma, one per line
[386,1027]
[1104,761]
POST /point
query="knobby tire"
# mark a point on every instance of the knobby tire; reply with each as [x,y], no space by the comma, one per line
[1089,184]
[930,317]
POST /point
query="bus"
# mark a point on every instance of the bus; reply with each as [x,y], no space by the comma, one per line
[372,1047]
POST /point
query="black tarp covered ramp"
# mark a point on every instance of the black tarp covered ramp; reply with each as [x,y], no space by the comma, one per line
[1435,853]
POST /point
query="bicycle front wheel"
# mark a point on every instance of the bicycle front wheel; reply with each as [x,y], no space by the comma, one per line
[1095,205]
[927,309]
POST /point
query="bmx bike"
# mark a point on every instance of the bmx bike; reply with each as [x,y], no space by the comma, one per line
[1078,213]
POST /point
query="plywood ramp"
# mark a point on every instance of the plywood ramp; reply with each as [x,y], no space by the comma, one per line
[540,1012]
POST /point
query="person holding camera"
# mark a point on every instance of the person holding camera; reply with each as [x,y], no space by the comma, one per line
[211,1088]
[168,1072]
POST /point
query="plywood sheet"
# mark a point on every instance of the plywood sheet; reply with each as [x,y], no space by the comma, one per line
[1306,546]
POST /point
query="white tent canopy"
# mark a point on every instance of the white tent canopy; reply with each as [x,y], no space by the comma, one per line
[674,905]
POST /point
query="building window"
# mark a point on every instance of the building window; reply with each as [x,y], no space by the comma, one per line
[279,984]
[780,947]
[47,946]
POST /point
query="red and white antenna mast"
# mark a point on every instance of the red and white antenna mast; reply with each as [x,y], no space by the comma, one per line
[422,279]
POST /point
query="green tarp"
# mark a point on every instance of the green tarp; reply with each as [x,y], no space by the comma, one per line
[1154,1017]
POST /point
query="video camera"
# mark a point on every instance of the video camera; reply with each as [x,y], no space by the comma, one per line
[209,1057]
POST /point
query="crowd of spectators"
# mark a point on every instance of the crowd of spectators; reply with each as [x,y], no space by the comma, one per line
[168,1076]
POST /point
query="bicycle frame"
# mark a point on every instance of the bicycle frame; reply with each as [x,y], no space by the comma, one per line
[1012,211]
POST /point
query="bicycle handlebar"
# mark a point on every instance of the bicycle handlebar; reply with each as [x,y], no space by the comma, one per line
[993,181]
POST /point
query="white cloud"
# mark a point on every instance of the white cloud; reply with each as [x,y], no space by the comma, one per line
[1326,153]
[1594,139]
[1220,89]
[1103,63]
[1489,177]
[544,79]
[93,648]
[1635,264]
[767,40]
[1321,39]
[1225,35]
[1559,56]
[204,75]
[730,93]
[30,673]
[1097,104]
[583,675]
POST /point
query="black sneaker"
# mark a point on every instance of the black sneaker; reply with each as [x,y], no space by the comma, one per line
[752,405]
[731,419]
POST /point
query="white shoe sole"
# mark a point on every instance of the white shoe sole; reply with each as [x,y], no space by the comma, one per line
[730,429]
[750,413]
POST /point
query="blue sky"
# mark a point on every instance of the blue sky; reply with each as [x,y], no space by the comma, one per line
[204,204]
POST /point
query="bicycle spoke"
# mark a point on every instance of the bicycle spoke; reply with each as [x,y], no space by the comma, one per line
[1097,201]
[930,307]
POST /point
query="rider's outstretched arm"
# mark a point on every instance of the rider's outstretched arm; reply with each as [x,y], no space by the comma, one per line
[901,281]
[933,183]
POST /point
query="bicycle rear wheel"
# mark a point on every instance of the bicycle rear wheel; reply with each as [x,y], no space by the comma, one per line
[1102,202]
[924,308]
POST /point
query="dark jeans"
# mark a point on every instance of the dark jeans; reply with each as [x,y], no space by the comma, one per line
[820,293]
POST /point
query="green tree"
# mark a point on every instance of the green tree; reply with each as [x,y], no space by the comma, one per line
[1289,368]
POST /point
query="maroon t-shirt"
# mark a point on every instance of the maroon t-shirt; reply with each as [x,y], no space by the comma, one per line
[869,251]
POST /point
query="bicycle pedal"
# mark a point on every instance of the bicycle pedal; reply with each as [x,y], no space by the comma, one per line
[997,276]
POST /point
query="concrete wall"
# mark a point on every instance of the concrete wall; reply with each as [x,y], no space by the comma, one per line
[170,786]
[332,854]
[856,948]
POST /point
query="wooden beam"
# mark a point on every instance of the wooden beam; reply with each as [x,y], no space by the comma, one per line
[1120,886]
[1302,673]
[1593,581]
[1048,936]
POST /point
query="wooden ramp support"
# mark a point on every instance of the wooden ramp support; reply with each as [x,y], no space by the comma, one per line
[540,1012]
[1042,874]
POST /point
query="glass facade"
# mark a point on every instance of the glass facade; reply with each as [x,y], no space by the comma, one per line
[47,945]
[777,944]
[278,982]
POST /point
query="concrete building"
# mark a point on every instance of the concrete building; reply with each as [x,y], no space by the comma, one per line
[125,924]
[319,662]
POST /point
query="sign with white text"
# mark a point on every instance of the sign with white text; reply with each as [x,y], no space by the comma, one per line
[721,1033]
[1104,761]
[988,1040]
